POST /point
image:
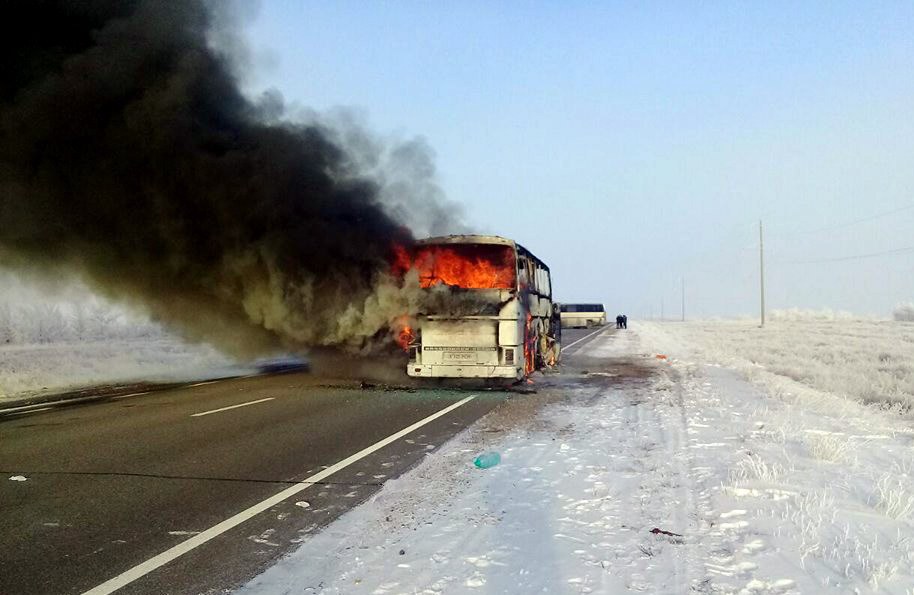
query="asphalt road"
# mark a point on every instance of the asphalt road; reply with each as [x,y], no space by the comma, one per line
[111,485]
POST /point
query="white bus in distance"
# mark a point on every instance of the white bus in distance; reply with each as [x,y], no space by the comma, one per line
[583,315]
[496,320]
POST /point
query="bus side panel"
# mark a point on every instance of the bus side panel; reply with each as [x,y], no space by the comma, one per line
[583,319]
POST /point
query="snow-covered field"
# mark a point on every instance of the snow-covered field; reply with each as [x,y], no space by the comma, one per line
[646,475]
[56,337]
[36,368]
[871,361]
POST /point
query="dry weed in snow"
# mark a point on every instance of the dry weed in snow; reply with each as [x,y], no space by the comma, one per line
[894,497]
[833,448]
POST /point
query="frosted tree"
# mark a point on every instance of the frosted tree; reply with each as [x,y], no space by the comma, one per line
[49,324]
[103,322]
[79,321]
[904,312]
[7,332]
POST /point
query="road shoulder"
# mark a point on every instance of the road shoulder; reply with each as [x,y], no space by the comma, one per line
[643,473]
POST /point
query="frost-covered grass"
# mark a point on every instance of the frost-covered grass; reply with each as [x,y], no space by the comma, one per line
[804,315]
[50,344]
[870,361]
[823,476]
[893,495]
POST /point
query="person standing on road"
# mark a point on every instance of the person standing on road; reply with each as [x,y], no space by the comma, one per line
[624,321]
[618,321]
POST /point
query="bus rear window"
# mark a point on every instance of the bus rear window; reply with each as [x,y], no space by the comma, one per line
[469,266]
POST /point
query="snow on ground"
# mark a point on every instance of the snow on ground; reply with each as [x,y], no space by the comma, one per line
[763,494]
[866,360]
[32,369]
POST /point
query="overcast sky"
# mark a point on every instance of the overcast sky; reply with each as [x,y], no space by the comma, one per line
[630,144]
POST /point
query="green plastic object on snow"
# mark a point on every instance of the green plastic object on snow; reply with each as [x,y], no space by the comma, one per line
[487,459]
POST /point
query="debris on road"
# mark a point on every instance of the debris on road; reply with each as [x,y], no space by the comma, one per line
[487,459]
[18,478]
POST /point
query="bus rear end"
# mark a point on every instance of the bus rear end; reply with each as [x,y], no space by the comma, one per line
[476,348]
[472,327]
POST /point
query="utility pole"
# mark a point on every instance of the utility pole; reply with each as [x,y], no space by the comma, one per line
[761,265]
[683,299]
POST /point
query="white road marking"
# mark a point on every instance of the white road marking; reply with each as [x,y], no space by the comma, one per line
[145,392]
[23,408]
[124,579]
[202,383]
[31,411]
[53,404]
[565,347]
[202,413]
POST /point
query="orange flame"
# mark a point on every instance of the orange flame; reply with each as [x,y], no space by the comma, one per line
[551,358]
[470,266]
[402,332]
[529,346]
[405,337]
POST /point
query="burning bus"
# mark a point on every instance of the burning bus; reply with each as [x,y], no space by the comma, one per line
[487,312]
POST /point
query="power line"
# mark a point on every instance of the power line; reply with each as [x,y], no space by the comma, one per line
[736,233]
[854,257]
[846,223]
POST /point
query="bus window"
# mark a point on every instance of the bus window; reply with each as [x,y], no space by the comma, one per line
[523,278]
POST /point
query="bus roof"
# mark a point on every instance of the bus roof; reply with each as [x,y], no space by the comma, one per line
[467,239]
[479,239]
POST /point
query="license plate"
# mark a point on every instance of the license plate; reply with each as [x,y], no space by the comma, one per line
[459,356]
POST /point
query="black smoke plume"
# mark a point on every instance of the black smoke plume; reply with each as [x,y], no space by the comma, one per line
[129,156]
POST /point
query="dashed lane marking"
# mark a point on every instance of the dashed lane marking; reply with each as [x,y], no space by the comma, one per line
[202,413]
